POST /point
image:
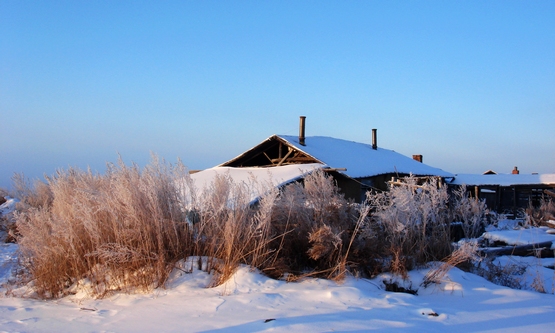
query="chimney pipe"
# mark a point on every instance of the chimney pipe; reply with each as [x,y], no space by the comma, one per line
[515,171]
[374,138]
[301,130]
[417,158]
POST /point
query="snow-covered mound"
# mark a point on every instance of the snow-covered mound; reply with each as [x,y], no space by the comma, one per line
[8,206]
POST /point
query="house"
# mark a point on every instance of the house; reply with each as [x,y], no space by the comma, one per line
[508,192]
[356,167]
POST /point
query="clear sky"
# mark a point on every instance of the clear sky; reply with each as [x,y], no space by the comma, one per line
[468,84]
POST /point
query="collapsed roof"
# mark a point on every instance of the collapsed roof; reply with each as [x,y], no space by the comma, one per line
[359,160]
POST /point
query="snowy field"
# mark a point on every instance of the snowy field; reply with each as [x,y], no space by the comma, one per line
[251,302]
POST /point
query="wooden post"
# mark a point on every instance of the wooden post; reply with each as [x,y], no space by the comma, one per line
[514,202]
[498,198]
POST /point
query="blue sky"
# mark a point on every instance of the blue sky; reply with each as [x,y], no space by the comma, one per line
[468,84]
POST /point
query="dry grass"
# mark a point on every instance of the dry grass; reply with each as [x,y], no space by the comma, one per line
[538,216]
[231,231]
[467,252]
[126,229]
[31,195]
[122,229]
[314,227]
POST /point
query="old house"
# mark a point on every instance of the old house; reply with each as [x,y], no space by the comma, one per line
[355,166]
[358,167]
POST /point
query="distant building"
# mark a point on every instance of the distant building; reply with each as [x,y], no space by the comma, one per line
[508,192]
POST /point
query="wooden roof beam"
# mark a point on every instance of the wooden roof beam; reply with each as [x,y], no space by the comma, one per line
[269,159]
[285,157]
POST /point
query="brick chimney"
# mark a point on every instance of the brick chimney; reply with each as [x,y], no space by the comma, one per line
[301,130]
[374,139]
[515,171]
[417,158]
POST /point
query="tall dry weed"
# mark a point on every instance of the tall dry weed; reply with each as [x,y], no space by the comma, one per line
[230,230]
[467,252]
[120,230]
[538,216]
[31,194]
[471,212]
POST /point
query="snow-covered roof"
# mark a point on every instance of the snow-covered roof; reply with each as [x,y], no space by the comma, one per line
[504,179]
[359,158]
[258,180]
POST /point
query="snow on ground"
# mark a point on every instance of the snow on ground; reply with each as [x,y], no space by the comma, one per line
[8,261]
[530,273]
[250,302]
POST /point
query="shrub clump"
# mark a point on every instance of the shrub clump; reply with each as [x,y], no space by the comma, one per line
[413,222]
[410,224]
[313,229]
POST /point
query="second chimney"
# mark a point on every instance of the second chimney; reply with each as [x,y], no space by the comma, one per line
[417,158]
[301,130]
[374,138]
[515,171]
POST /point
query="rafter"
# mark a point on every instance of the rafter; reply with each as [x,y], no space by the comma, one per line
[285,157]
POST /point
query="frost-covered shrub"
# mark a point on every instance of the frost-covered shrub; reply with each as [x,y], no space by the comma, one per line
[412,222]
[471,212]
